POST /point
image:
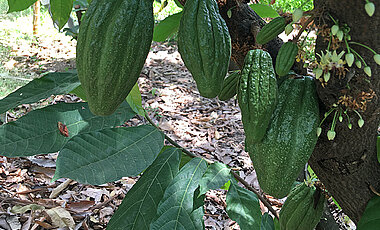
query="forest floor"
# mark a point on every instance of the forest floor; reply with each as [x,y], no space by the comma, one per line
[206,127]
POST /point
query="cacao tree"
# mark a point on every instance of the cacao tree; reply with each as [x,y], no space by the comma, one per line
[330,119]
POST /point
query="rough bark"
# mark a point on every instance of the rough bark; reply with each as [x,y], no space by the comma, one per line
[348,165]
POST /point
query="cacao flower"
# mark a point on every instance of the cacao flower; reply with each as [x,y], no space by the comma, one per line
[340,118]
[318,73]
[349,125]
[334,29]
[350,59]
[376,57]
[319,131]
[297,14]
[367,70]
[331,135]
[370,8]
[339,34]
[326,76]
[360,122]
[358,64]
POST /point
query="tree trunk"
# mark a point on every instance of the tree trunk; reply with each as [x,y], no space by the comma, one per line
[348,166]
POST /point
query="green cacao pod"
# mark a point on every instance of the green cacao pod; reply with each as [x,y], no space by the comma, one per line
[229,88]
[113,43]
[257,94]
[205,45]
[271,30]
[302,209]
[290,138]
[285,58]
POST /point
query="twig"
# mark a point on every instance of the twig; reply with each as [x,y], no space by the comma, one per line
[304,26]
[237,177]
[104,202]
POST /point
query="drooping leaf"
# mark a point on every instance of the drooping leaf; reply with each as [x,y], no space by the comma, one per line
[215,177]
[243,207]
[166,27]
[371,215]
[107,155]
[40,88]
[264,11]
[79,92]
[267,222]
[176,209]
[139,206]
[19,5]
[134,100]
[61,10]
[38,132]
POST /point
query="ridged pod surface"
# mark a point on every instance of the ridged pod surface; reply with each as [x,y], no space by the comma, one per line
[229,88]
[205,45]
[257,94]
[113,43]
[285,58]
[290,138]
[271,30]
[299,211]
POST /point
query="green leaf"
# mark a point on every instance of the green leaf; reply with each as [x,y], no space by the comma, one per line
[17,209]
[134,100]
[243,207]
[40,88]
[61,10]
[107,155]
[19,5]
[215,177]
[166,27]
[178,4]
[176,209]
[139,206]
[267,222]
[264,11]
[79,92]
[371,215]
[184,160]
[37,132]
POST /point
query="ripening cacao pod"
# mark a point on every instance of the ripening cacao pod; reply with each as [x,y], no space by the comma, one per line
[229,88]
[271,30]
[302,209]
[257,94]
[205,45]
[113,43]
[285,58]
[290,138]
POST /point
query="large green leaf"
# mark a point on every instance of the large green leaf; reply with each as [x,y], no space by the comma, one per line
[40,88]
[166,27]
[37,132]
[107,155]
[264,11]
[19,5]
[215,177]
[371,215]
[139,206]
[134,100]
[61,10]
[267,222]
[243,207]
[176,209]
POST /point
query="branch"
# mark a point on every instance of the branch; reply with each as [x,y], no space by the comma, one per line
[237,177]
